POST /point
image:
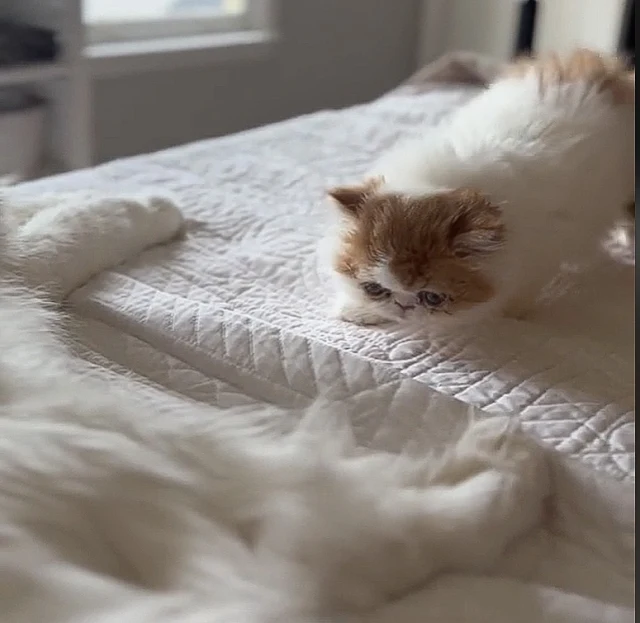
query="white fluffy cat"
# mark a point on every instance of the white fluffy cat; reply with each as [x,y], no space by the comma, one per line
[480,212]
[110,509]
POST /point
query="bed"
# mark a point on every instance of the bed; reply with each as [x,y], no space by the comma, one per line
[231,310]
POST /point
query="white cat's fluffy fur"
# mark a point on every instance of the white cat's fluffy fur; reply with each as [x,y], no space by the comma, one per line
[220,518]
[554,152]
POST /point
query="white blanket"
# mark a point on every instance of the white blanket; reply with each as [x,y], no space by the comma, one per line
[242,291]
[577,567]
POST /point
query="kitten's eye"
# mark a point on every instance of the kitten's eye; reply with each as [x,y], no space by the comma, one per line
[375,289]
[430,299]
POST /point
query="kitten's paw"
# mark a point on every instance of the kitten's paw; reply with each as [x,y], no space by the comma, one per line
[358,315]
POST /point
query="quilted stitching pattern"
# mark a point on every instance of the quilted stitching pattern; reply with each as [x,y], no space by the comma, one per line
[241,298]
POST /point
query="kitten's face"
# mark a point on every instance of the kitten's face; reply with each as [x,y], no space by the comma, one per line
[409,257]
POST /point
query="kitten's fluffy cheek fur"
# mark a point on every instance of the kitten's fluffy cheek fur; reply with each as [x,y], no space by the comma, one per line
[351,305]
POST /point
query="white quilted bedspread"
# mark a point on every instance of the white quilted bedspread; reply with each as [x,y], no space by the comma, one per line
[241,296]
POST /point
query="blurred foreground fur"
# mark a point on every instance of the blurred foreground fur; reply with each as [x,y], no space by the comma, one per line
[226,518]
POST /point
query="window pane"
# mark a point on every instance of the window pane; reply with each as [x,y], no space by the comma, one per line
[109,11]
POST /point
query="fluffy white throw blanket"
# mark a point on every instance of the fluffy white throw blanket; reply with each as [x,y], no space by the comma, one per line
[111,511]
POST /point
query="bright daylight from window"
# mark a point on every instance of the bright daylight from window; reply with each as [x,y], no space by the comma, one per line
[113,11]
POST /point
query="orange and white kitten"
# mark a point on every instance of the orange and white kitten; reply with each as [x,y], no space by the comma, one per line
[478,214]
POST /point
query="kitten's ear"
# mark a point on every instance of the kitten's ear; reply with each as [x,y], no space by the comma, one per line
[351,199]
[477,228]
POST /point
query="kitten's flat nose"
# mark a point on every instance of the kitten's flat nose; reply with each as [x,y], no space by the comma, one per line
[405,301]
[404,307]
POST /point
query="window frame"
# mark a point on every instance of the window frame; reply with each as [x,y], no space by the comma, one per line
[258,39]
[196,24]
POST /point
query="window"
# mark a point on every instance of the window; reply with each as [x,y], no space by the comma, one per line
[111,21]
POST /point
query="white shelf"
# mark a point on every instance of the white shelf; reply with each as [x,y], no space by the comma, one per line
[64,84]
[30,74]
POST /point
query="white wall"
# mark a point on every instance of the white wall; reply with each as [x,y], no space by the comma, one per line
[331,53]
[567,24]
[483,26]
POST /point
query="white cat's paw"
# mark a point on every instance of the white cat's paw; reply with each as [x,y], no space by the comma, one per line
[358,315]
[503,445]
[524,467]
[495,443]
[504,477]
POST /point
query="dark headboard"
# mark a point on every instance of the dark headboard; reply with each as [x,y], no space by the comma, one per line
[628,35]
[526,27]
